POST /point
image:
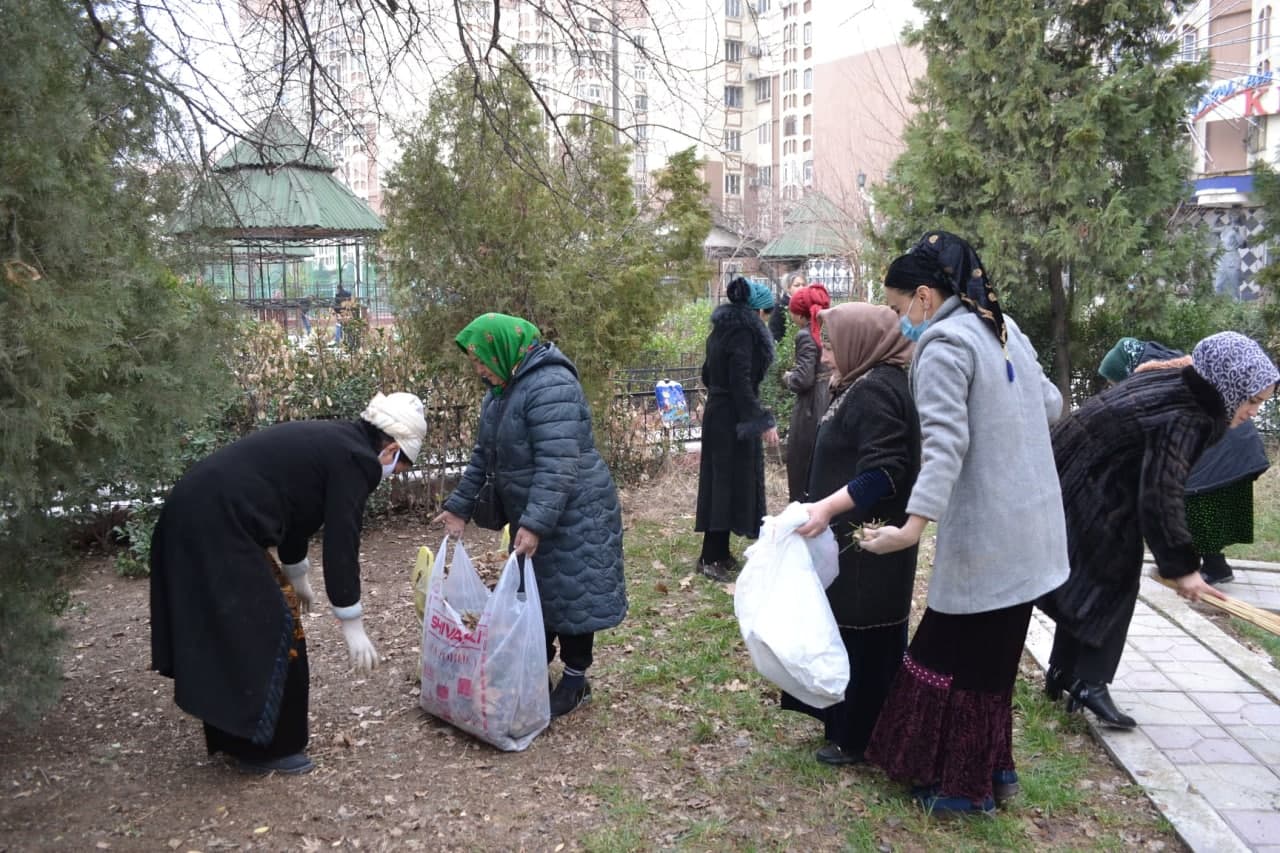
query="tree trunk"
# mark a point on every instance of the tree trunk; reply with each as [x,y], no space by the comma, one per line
[1059,326]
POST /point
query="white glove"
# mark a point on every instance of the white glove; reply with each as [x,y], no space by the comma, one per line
[359,647]
[297,575]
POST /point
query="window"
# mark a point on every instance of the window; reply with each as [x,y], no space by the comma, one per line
[732,140]
[638,41]
[764,133]
[642,165]
[762,6]
[764,176]
[808,125]
[733,184]
[808,78]
[733,96]
[642,131]
[808,33]
[642,72]
[642,103]
[596,25]
[732,50]
[764,89]
[1264,30]
[808,172]
[1188,52]
[789,126]
[733,8]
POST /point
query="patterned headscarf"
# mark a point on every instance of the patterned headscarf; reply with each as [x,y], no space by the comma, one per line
[1121,360]
[863,335]
[807,302]
[761,298]
[500,341]
[1236,366]
[942,259]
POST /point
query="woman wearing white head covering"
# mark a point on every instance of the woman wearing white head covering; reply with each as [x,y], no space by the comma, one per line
[1123,460]
[225,616]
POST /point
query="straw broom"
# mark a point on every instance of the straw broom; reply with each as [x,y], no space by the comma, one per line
[1264,619]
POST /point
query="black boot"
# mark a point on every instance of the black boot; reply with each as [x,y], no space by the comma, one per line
[1097,699]
[1055,681]
[1215,569]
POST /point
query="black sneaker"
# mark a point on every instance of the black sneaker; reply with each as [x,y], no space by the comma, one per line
[835,756]
[1215,580]
[565,699]
[720,571]
[1215,569]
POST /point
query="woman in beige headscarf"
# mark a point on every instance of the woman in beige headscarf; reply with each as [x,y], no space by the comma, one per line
[865,461]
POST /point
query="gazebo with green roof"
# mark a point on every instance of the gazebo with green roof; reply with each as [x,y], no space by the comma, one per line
[270,203]
[818,238]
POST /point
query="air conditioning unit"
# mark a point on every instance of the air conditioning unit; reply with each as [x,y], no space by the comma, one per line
[756,51]
[751,75]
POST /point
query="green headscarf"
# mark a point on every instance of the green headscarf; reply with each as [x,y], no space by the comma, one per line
[500,341]
[1123,358]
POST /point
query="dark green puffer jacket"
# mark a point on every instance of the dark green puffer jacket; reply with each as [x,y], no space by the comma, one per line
[554,482]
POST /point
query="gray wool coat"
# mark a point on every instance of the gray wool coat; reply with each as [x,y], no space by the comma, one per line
[554,482]
[987,473]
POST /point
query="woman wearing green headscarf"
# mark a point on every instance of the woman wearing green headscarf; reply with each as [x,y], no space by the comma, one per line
[535,430]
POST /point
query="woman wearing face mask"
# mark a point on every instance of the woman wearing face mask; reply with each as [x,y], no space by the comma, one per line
[1124,457]
[225,616]
[554,487]
[987,477]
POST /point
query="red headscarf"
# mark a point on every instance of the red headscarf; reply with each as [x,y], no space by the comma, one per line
[807,302]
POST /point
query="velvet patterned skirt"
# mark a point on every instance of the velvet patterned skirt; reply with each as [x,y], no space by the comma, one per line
[948,720]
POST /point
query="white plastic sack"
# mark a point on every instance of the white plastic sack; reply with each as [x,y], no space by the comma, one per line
[484,662]
[784,615]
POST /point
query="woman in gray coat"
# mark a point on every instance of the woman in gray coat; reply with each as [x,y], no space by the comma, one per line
[987,477]
[554,487]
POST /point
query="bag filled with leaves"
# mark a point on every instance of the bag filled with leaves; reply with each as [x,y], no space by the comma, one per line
[484,663]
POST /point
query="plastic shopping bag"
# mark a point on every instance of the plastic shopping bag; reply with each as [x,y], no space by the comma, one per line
[484,663]
[673,408]
[784,615]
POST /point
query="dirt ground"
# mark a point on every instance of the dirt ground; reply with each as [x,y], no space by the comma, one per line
[115,765]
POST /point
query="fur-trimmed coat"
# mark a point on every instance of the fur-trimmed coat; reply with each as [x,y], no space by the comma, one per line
[731,473]
[1123,460]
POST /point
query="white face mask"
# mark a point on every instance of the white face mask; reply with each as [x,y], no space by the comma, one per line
[390,467]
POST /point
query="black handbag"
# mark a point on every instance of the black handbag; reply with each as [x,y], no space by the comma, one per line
[488,511]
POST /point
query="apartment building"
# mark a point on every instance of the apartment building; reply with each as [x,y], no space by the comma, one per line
[1234,125]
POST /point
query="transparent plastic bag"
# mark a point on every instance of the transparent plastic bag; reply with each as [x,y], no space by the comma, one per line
[484,662]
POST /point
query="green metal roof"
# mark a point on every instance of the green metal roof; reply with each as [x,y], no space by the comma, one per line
[279,189]
[814,228]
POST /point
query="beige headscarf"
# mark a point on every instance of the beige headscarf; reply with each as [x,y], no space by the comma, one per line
[401,416]
[863,335]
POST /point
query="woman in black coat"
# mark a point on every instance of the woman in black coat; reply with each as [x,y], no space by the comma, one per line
[734,426]
[865,462]
[225,616]
[810,381]
[1123,460]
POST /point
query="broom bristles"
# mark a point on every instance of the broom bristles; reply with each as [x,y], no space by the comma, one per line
[1264,619]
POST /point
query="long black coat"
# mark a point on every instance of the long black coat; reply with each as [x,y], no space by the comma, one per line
[554,482]
[1123,460]
[810,381]
[731,472]
[220,627]
[871,426]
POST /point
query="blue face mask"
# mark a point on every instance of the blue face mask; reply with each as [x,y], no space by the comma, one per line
[390,468]
[911,331]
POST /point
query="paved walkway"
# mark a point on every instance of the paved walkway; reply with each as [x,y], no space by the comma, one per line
[1207,746]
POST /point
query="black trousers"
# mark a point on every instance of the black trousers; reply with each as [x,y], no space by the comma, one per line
[1094,663]
[715,546]
[575,649]
[291,727]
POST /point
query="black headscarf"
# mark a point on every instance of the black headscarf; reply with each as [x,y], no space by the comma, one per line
[943,260]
